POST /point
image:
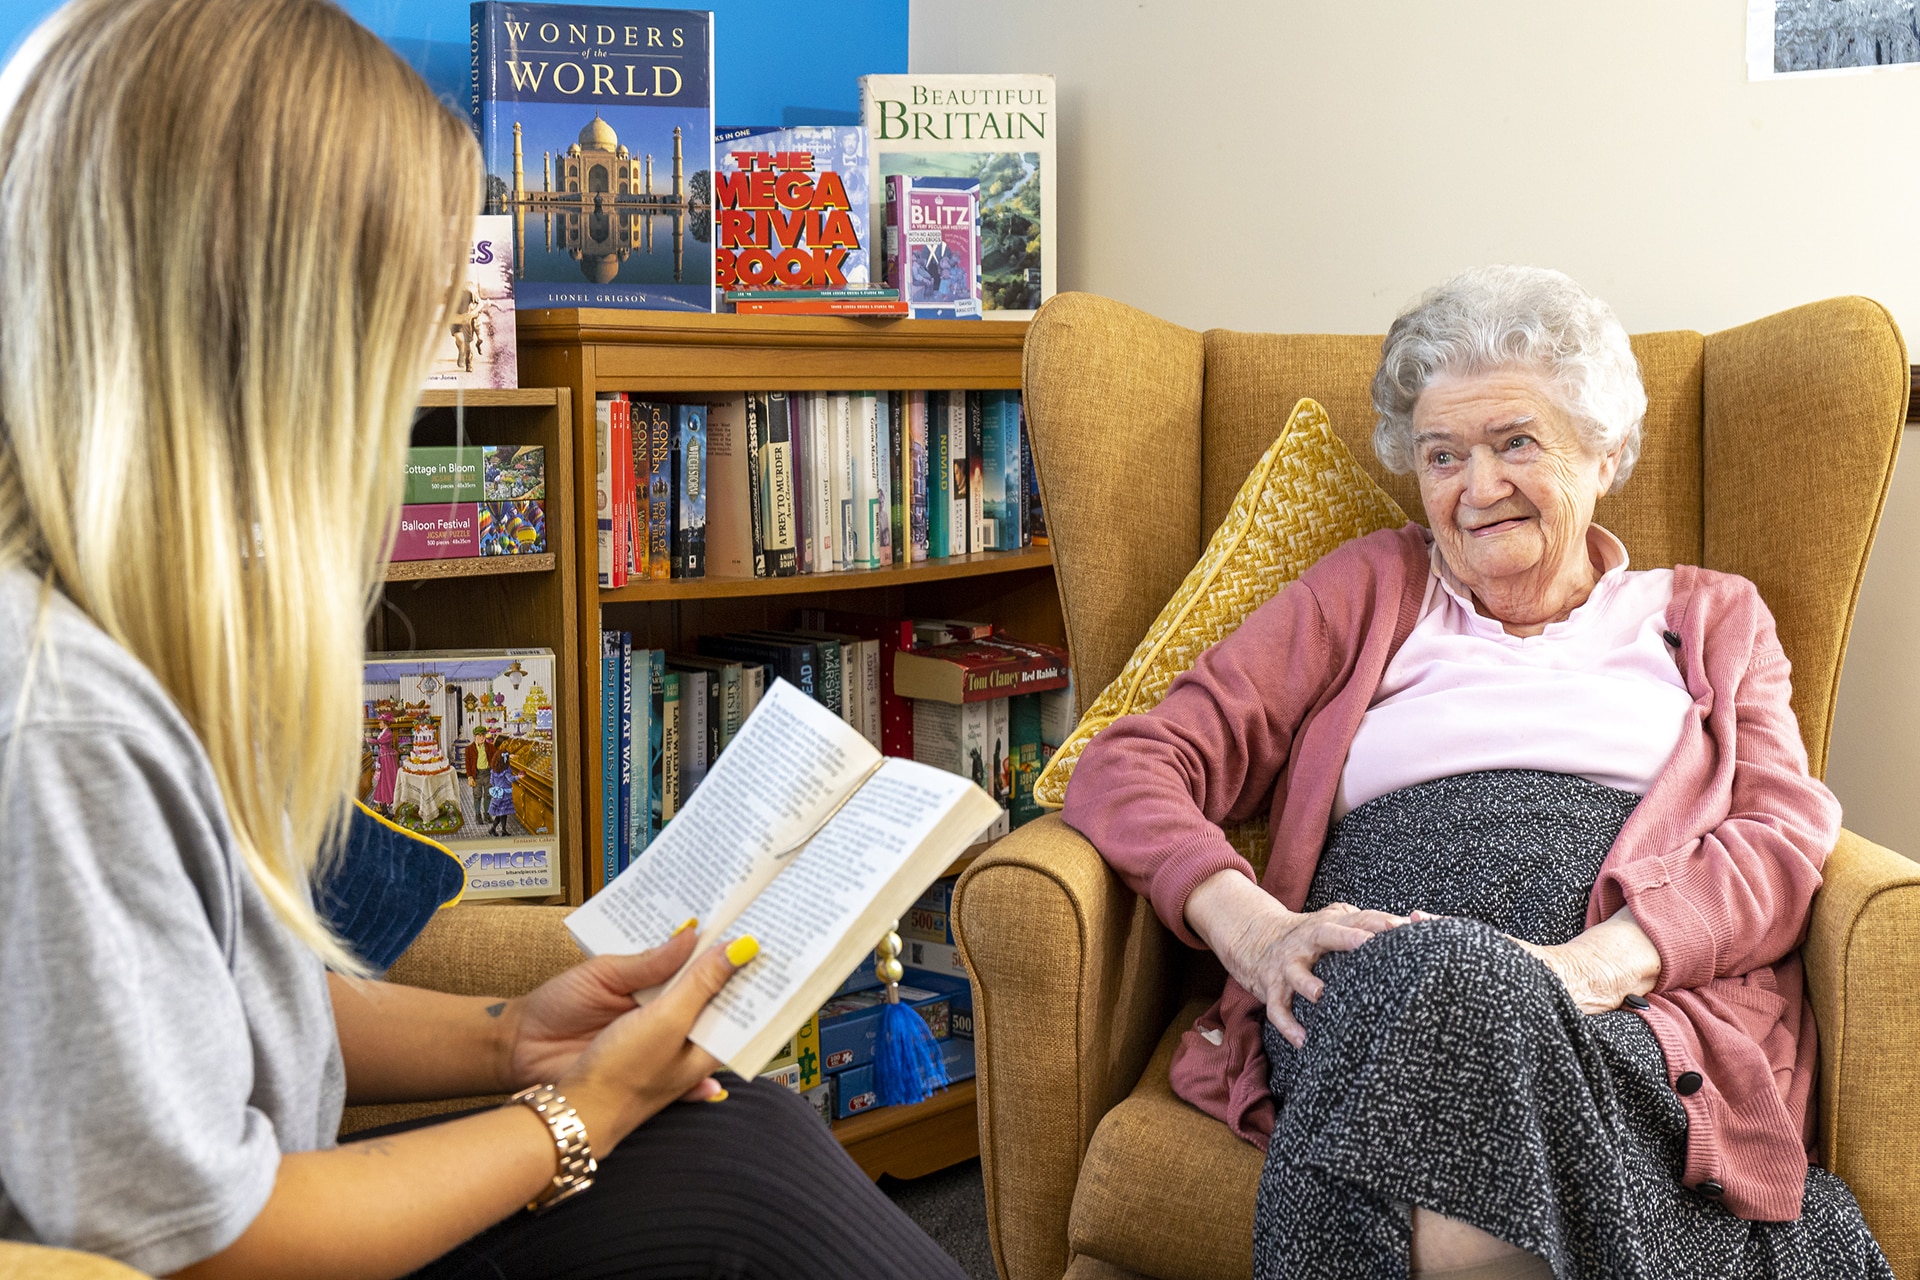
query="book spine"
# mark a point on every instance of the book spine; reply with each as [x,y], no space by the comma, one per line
[756,445]
[780,487]
[639,467]
[690,491]
[480,58]
[800,422]
[609,756]
[939,476]
[1033,528]
[644,732]
[624,817]
[960,519]
[840,446]
[716,715]
[821,307]
[1001,779]
[670,748]
[898,485]
[892,237]
[833,679]
[820,465]
[603,486]
[993,471]
[979,536]
[870,661]
[915,475]
[623,489]
[863,440]
[884,471]
[656,743]
[735,711]
[660,489]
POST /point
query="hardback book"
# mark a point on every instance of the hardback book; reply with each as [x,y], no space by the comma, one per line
[672,721]
[726,691]
[623,811]
[695,746]
[960,462]
[851,658]
[1027,748]
[998,130]
[461,747]
[914,475]
[656,745]
[610,732]
[932,245]
[656,420]
[888,636]
[596,128]
[1036,513]
[864,443]
[778,487]
[476,344]
[690,491]
[809,841]
[978,535]
[791,208]
[1005,498]
[940,479]
[968,739]
[794,663]
[824,657]
[729,503]
[979,670]
[645,732]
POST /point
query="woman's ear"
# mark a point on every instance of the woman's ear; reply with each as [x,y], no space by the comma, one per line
[1610,467]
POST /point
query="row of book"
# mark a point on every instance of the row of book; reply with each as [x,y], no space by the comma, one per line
[944,692]
[473,500]
[773,484]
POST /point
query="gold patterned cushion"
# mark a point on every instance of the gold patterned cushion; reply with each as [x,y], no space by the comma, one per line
[1305,497]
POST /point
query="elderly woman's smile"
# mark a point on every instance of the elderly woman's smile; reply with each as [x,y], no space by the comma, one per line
[1509,484]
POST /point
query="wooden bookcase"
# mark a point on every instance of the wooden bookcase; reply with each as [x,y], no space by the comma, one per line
[684,357]
[508,601]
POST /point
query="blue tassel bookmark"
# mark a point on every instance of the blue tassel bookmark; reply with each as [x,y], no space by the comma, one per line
[908,1066]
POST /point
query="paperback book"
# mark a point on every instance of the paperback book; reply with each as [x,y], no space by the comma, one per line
[460,746]
[476,348]
[596,127]
[997,130]
[808,840]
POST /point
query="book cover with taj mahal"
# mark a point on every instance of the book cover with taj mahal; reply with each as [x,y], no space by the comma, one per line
[596,125]
[459,745]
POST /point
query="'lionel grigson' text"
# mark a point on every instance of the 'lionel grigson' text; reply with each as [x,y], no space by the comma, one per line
[629,80]
[781,223]
[1023,115]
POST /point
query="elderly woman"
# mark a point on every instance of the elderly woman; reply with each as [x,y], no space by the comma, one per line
[1519,994]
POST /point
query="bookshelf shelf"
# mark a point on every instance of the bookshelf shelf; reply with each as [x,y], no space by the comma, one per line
[681,357]
[468,567]
[967,566]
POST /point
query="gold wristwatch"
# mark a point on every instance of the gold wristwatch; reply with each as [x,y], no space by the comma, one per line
[577,1165]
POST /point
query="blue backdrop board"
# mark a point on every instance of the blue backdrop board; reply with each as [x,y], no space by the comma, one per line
[775,63]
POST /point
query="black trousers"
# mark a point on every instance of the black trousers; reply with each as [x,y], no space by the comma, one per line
[753,1188]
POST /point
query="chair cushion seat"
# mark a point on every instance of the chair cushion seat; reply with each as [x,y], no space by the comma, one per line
[1165,1189]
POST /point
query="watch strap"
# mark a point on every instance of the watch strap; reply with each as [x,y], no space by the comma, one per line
[575,1163]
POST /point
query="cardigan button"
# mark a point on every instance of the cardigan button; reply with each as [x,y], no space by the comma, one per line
[1636,1002]
[1711,1189]
[1689,1082]
[1671,637]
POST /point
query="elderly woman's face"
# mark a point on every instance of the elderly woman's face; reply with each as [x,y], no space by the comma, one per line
[1508,485]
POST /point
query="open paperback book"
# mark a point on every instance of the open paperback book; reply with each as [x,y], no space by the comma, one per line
[803,836]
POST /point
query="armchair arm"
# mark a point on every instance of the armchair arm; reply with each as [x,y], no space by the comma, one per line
[1863,975]
[1071,992]
[34,1262]
[476,950]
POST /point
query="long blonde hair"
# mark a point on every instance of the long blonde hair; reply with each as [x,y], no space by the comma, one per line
[227,230]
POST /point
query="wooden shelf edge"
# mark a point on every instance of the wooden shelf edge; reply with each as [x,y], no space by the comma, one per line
[911,1142]
[573,326]
[489,398]
[968,566]
[468,567]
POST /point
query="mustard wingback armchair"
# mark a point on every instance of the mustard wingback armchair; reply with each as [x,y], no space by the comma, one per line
[1768,453]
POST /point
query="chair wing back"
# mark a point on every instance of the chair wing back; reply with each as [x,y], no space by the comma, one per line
[1767,451]
[1113,411]
[1804,412]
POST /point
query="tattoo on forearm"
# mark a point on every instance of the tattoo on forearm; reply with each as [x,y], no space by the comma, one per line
[372,1147]
[495,1010]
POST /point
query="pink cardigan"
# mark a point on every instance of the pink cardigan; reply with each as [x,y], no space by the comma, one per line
[1719,862]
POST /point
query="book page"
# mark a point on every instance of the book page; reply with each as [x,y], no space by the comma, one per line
[830,905]
[791,763]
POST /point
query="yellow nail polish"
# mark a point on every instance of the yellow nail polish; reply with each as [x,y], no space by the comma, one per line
[743,949]
[718,1097]
[690,922]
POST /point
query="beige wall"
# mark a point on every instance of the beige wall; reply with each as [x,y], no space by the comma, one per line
[1277,164]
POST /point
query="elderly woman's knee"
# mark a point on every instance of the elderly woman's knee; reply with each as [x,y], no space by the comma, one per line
[1453,959]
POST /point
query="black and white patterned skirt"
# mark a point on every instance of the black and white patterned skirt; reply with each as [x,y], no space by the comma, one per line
[1447,1068]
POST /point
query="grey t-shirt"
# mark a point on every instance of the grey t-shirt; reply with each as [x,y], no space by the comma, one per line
[162,1037]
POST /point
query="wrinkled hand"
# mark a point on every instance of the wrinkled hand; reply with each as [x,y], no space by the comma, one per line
[552,1025]
[1603,966]
[1270,950]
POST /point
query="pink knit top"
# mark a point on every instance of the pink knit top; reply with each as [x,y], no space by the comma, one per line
[1719,861]
[1595,694]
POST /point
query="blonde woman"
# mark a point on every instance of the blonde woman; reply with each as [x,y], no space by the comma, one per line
[228,230]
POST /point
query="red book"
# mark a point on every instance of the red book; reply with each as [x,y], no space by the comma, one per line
[823,307]
[894,634]
[979,671]
[619,446]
